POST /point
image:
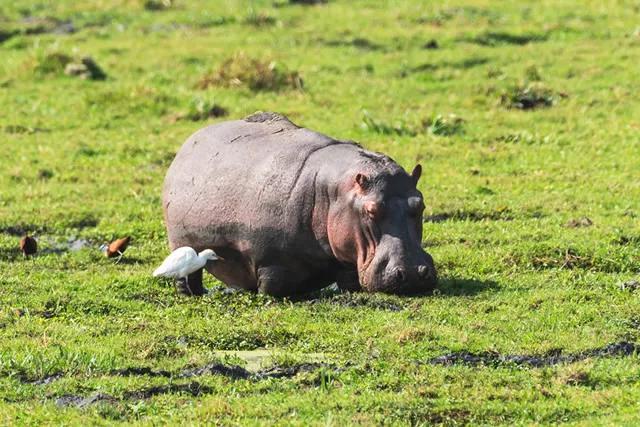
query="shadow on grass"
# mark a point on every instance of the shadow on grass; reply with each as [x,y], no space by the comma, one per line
[127,260]
[10,254]
[455,287]
[447,287]
[19,230]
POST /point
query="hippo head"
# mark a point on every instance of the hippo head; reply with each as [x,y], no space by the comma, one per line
[376,224]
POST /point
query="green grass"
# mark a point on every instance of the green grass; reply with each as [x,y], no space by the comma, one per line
[83,160]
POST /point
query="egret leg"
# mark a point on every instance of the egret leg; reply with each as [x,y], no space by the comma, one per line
[191,285]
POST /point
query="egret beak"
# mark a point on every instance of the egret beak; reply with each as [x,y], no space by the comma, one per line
[219,258]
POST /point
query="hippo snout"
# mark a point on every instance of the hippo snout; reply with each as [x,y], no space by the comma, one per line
[408,279]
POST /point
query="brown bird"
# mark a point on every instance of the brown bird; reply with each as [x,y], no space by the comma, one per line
[116,248]
[28,245]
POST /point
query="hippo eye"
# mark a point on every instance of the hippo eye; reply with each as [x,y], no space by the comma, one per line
[416,206]
[373,209]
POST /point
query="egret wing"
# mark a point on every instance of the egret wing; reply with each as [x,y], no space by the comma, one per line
[176,262]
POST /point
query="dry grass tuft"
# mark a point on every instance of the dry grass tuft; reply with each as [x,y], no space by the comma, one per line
[256,74]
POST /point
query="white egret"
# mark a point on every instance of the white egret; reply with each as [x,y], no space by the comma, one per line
[184,261]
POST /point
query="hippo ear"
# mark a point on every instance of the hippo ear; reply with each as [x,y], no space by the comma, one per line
[417,171]
[362,181]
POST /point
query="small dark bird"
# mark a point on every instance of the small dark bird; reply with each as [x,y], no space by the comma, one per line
[116,248]
[28,245]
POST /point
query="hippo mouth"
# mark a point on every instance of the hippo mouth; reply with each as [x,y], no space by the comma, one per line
[395,273]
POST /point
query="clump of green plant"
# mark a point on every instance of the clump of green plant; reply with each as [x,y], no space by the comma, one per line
[532,74]
[375,125]
[256,74]
[86,68]
[203,109]
[528,96]
[61,63]
[51,63]
[444,125]
[259,19]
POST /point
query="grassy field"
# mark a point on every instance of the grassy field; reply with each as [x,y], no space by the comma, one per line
[525,118]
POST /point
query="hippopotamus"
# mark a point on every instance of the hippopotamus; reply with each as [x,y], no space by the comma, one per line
[291,211]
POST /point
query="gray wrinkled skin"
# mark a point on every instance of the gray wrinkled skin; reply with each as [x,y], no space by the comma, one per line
[292,210]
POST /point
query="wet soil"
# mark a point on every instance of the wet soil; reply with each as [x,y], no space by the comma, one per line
[551,358]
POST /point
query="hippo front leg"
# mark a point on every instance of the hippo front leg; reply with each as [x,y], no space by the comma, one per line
[192,285]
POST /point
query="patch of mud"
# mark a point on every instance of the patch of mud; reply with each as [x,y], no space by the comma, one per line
[88,221]
[139,371]
[20,129]
[237,372]
[464,64]
[81,402]
[625,240]
[293,370]
[571,258]
[7,34]
[579,222]
[72,244]
[357,42]
[631,285]
[474,216]
[20,229]
[42,381]
[78,244]
[529,96]
[431,44]
[493,38]
[12,254]
[216,368]
[551,358]
[193,389]
[85,68]
[253,373]
[34,25]
[357,300]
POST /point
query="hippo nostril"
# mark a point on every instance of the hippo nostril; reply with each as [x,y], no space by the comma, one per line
[400,274]
[423,271]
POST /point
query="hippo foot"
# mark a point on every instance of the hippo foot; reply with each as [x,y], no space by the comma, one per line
[274,280]
[191,286]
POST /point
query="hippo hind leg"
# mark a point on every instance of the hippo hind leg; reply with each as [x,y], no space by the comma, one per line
[192,285]
[274,280]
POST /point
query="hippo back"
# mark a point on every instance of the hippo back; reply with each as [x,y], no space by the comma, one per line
[225,174]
